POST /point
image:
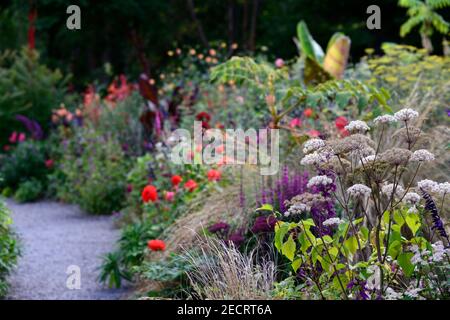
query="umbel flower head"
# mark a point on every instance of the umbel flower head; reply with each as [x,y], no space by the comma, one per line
[357,126]
[427,185]
[388,189]
[422,155]
[387,118]
[318,181]
[406,114]
[313,145]
[396,156]
[411,198]
[359,191]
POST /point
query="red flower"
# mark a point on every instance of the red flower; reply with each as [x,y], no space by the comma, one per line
[49,163]
[308,112]
[149,194]
[341,122]
[176,180]
[156,245]
[203,116]
[214,175]
[191,185]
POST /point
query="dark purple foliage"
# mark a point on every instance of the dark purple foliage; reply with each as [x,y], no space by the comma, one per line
[219,227]
[285,188]
[32,126]
[430,206]
[237,238]
[264,224]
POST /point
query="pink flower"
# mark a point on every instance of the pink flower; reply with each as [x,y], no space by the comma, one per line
[279,63]
[169,195]
[313,133]
[49,163]
[296,122]
[13,137]
[214,175]
[21,137]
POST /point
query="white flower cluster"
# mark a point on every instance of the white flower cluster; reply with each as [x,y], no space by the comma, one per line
[297,208]
[427,185]
[357,126]
[406,114]
[392,295]
[313,145]
[359,190]
[332,222]
[439,251]
[384,119]
[388,189]
[422,155]
[314,158]
[319,180]
[367,160]
[413,292]
[418,256]
[442,188]
[411,198]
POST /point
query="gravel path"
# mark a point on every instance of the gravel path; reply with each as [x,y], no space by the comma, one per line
[55,236]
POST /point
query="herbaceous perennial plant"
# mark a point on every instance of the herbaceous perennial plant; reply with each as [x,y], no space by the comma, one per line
[387,239]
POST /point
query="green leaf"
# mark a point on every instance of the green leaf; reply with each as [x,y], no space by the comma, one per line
[404,261]
[265,207]
[395,248]
[351,244]
[413,222]
[296,264]
[306,44]
[289,248]
[280,232]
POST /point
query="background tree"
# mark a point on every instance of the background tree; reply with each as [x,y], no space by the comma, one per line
[424,13]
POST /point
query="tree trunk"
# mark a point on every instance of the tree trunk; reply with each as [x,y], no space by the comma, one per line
[252,38]
[245,24]
[230,22]
[426,42]
[197,23]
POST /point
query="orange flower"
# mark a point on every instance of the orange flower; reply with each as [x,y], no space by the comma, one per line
[191,185]
[156,245]
[149,194]
[308,112]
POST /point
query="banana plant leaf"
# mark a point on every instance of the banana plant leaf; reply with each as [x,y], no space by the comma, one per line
[307,45]
[337,55]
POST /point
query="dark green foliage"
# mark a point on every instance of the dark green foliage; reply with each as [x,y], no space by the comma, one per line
[26,161]
[9,248]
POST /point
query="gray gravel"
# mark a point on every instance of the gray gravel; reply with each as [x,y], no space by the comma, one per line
[55,236]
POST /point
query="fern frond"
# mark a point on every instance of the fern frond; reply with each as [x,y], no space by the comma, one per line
[245,70]
[409,25]
[438,4]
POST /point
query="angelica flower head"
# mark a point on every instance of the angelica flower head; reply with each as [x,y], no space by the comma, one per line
[332,222]
[427,185]
[319,180]
[388,189]
[357,126]
[314,158]
[406,114]
[313,145]
[387,118]
[359,191]
[411,198]
[442,188]
[422,155]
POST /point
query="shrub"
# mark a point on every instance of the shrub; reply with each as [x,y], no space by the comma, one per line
[29,191]
[95,169]
[9,247]
[29,88]
[25,161]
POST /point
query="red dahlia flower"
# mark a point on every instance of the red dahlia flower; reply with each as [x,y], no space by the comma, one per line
[191,185]
[149,194]
[156,245]
[214,175]
[176,180]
